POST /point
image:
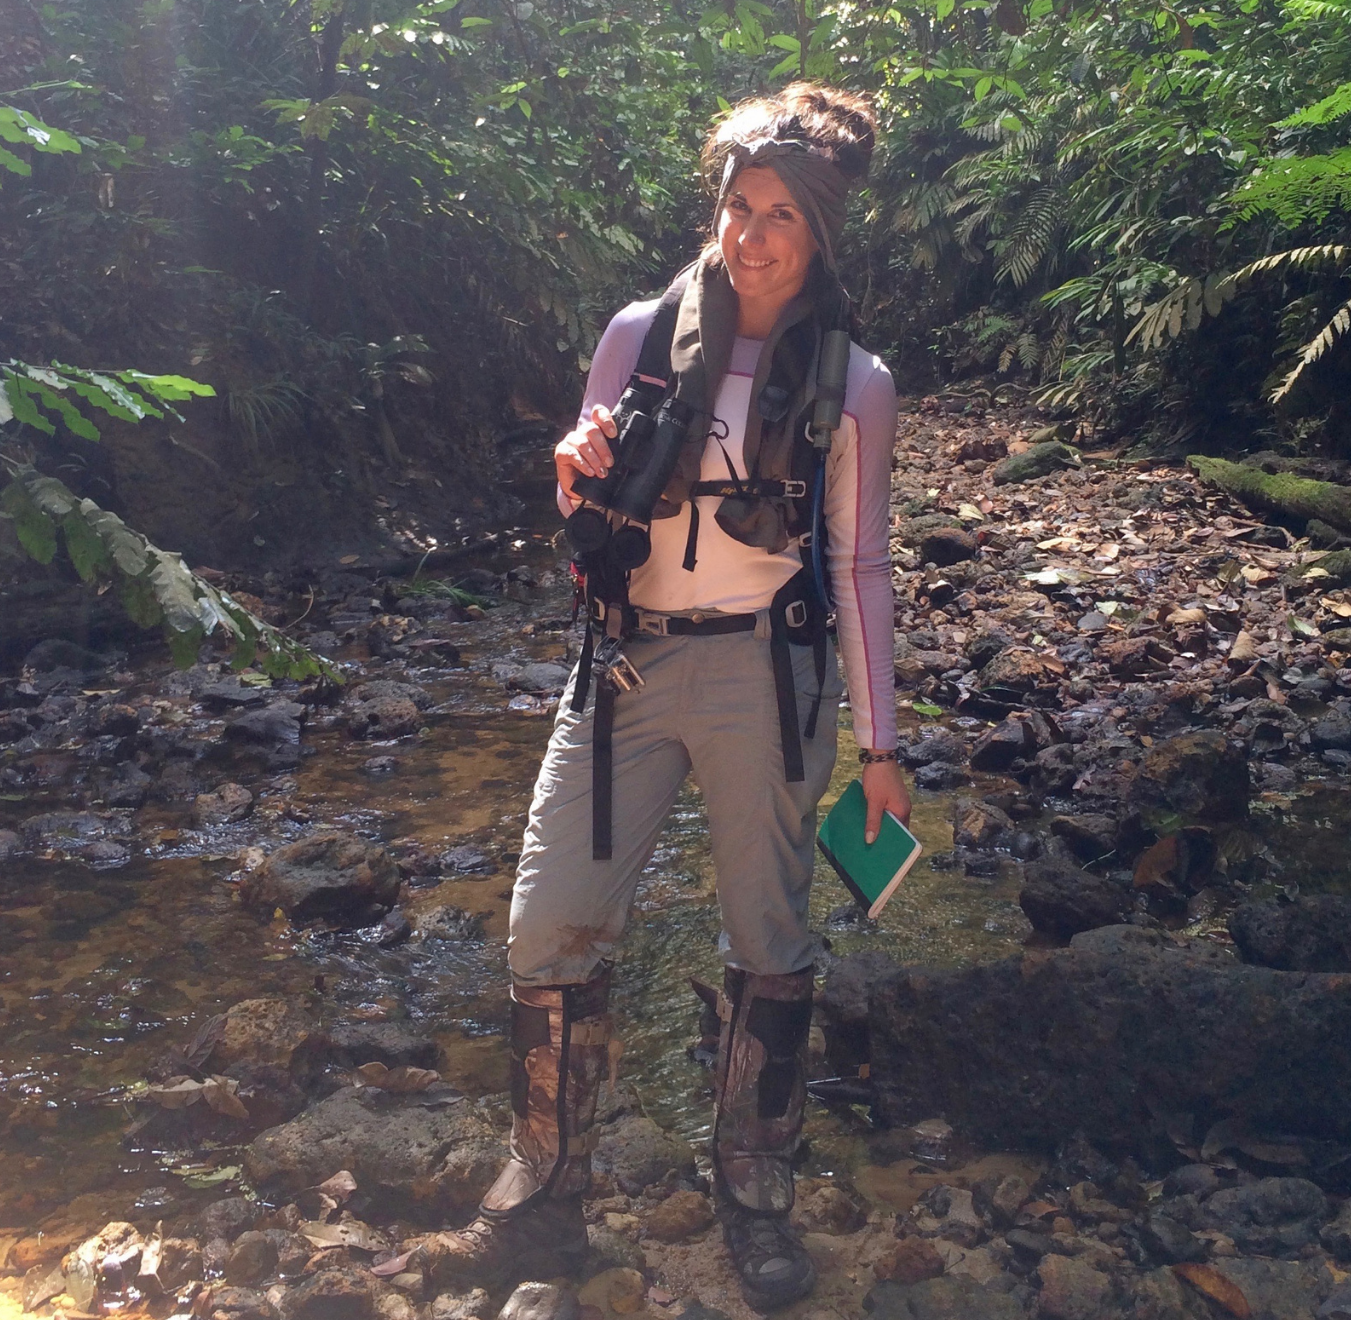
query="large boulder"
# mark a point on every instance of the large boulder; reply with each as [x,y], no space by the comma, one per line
[1201,775]
[428,1154]
[1092,1037]
[1063,901]
[1271,1217]
[1312,934]
[334,876]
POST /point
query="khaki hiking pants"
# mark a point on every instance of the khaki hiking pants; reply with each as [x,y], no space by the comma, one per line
[709,707]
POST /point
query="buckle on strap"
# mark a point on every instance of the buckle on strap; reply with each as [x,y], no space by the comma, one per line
[724,1007]
[653,623]
[580,1145]
[795,490]
[795,615]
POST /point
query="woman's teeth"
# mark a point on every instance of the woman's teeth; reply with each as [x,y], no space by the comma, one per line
[754,265]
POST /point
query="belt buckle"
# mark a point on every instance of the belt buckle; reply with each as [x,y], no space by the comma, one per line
[794,490]
[654,624]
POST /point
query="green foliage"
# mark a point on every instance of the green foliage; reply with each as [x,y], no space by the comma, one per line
[154,585]
[1299,190]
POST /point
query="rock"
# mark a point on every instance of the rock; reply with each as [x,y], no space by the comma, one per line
[230,1303]
[949,1213]
[252,1258]
[1337,1304]
[611,1291]
[466,859]
[230,694]
[384,717]
[384,689]
[978,824]
[333,876]
[380,765]
[1063,901]
[680,1215]
[1037,461]
[276,723]
[996,749]
[1272,1217]
[409,1154]
[1094,622]
[10,843]
[1090,838]
[68,830]
[1071,1289]
[1278,1289]
[1311,934]
[939,776]
[823,1206]
[272,1032]
[636,1153]
[609,1248]
[911,1260]
[952,1297]
[1134,657]
[113,719]
[1017,1051]
[987,644]
[57,653]
[1197,1180]
[335,1294]
[395,1044]
[1055,769]
[228,1218]
[1202,775]
[129,787]
[1168,1241]
[475,1305]
[1000,1198]
[1336,1236]
[948,545]
[1333,731]
[228,803]
[1014,670]
[447,922]
[542,678]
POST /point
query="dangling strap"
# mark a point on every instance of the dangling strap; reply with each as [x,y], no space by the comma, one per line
[583,684]
[819,656]
[692,540]
[785,691]
[602,772]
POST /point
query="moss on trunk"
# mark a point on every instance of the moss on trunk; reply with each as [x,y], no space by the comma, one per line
[1280,492]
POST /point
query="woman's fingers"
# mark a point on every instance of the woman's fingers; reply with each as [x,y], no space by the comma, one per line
[884,790]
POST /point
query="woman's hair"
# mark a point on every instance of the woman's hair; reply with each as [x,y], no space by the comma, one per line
[839,124]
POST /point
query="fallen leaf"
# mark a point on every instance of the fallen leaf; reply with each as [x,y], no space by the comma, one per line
[969,513]
[340,1186]
[219,1094]
[1302,627]
[349,559]
[1340,608]
[387,1269]
[349,1233]
[400,1081]
[1208,1280]
[1107,550]
[1179,617]
[1244,649]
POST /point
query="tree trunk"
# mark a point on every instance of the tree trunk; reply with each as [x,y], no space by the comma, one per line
[1281,492]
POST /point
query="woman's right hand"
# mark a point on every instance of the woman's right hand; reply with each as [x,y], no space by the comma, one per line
[586,451]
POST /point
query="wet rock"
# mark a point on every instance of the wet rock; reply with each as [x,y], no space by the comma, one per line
[1168,1241]
[113,719]
[1176,867]
[637,1153]
[380,765]
[1279,1289]
[1013,670]
[1063,901]
[128,787]
[270,1032]
[953,1297]
[979,824]
[987,644]
[341,1294]
[228,1218]
[447,922]
[1197,1180]
[231,1303]
[67,830]
[1336,1236]
[1203,775]
[843,1008]
[384,717]
[949,1213]
[541,1301]
[945,546]
[1332,732]
[542,678]
[1055,769]
[610,1249]
[1090,837]
[1337,1304]
[1050,1042]
[396,1045]
[10,843]
[940,746]
[385,689]
[999,1198]
[276,723]
[227,804]
[231,694]
[1071,1289]
[613,1291]
[409,1154]
[1037,461]
[252,1258]
[679,1216]
[1135,657]
[466,859]
[475,1305]
[824,1206]
[1272,1217]
[911,1260]
[996,749]
[1311,934]
[334,876]
[939,776]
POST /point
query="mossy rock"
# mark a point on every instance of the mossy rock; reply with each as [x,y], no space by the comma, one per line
[1038,461]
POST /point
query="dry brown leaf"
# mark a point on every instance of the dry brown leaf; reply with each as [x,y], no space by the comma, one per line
[176,1093]
[349,559]
[348,1233]
[1208,1280]
[1107,550]
[219,1094]
[402,1080]
[1339,607]
[1244,649]
[340,1186]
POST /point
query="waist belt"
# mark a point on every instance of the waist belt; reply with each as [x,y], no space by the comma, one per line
[792,620]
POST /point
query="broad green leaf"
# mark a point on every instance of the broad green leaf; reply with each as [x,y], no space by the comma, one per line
[127,548]
[11,162]
[138,599]
[36,531]
[924,708]
[184,646]
[173,586]
[86,551]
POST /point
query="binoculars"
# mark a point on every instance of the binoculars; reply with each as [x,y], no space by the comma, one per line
[647,447]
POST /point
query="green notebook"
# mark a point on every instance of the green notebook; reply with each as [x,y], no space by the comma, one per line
[870,871]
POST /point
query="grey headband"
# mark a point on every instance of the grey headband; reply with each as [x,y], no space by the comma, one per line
[816,183]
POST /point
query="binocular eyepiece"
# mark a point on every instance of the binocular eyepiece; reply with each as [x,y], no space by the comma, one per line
[646,448]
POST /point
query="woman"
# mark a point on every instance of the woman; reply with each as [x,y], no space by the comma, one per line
[725,670]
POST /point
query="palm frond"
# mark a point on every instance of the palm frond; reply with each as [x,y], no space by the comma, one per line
[1315,349]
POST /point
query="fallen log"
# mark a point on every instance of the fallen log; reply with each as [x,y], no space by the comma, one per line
[1279,492]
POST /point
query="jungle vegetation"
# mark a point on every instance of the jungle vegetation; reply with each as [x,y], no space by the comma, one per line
[386,233]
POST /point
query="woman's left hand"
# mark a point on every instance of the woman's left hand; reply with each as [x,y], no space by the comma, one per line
[884,788]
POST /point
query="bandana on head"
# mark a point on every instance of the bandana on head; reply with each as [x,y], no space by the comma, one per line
[817,184]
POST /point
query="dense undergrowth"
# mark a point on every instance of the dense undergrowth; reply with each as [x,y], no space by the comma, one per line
[387,232]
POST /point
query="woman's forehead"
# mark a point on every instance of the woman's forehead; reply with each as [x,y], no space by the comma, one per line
[761,184]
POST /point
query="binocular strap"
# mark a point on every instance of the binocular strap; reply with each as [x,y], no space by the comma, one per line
[602,771]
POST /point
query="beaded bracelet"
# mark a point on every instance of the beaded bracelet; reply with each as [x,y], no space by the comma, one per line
[866,757]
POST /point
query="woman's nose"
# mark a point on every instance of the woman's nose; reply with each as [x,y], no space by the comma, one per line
[753,232]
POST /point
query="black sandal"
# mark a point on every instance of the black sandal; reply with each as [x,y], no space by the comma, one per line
[771,1262]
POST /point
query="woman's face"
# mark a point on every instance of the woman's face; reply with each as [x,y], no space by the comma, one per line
[764,238]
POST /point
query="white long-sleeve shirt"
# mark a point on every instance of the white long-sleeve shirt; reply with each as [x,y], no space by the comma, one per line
[737,578]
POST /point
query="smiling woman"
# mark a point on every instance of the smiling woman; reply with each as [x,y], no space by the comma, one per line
[772,514]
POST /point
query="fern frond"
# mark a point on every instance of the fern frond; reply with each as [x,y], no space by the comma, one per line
[1299,189]
[1333,106]
[1315,349]
[1031,238]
